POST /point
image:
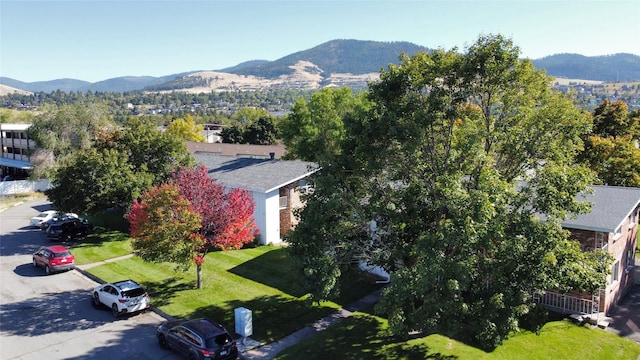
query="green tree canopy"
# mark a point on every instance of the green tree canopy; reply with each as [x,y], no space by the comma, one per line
[96,180]
[148,148]
[261,132]
[314,129]
[611,149]
[120,165]
[442,184]
[59,131]
[185,129]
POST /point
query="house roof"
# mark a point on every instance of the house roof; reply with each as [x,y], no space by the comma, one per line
[611,205]
[258,175]
[240,150]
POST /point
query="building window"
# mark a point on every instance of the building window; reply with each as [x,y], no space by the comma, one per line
[617,233]
[614,272]
[284,202]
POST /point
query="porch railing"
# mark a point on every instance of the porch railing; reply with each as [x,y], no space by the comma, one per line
[568,304]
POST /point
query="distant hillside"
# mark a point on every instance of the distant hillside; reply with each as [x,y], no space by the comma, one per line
[65,85]
[4,90]
[334,63]
[612,68]
[355,57]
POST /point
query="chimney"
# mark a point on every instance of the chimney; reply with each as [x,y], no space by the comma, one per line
[272,155]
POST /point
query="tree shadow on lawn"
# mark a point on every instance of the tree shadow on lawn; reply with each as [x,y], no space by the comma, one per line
[162,292]
[273,269]
[277,270]
[273,317]
[359,337]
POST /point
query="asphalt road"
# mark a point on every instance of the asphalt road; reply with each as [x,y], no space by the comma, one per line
[51,317]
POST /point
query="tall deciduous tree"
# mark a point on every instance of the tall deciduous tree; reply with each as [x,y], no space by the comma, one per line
[185,129]
[164,227]
[149,148]
[60,131]
[314,130]
[442,184]
[120,165]
[226,218]
[261,132]
[95,180]
[611,150]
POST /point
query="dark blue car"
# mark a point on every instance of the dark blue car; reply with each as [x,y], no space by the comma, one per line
[198,339]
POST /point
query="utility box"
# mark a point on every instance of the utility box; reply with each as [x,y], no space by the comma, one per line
[244,325]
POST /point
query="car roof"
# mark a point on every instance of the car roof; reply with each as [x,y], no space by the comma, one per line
[204,327]
[126,284]
[57,248]
[47,212]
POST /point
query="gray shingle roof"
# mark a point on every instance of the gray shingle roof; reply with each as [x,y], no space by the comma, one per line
[260,175]
[611,205]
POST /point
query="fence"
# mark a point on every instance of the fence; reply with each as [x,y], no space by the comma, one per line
[23,186]
[567,304]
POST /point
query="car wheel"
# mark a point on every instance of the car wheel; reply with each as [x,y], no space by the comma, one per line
[47,270]
[163,342]
[96,300]
[114,311]
[192,357]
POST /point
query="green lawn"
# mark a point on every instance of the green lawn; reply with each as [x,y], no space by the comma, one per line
[100,246]
[261,279]
[258,279]
[364,336]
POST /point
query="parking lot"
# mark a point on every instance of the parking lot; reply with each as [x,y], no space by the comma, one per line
[51,316]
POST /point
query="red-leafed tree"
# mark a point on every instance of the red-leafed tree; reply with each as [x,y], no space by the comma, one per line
[242,228]
[164,227]
[226,219]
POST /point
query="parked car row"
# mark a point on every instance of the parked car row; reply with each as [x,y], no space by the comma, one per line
[195,339]
[62,226]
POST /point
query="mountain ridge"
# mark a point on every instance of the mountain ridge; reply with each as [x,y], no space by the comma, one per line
[341,62]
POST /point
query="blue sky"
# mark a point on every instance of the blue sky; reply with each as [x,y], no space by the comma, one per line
[94,40]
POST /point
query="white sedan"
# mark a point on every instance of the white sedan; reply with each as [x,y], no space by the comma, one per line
[37,220]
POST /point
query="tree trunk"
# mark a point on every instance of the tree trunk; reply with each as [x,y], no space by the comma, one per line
[199,272]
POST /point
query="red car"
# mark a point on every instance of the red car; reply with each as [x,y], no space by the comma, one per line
[54,258]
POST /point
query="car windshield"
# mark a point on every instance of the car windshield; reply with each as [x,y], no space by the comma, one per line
[62,253]
[218,341]
[134,292]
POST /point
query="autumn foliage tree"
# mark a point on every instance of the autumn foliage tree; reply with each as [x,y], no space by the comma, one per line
[163,225]
[225,219]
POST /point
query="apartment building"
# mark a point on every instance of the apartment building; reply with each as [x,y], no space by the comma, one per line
[16,150]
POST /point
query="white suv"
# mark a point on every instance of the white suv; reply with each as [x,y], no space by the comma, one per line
[123,297]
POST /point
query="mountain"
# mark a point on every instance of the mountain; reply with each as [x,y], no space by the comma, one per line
[65,85]
[614,68]
[334,63]
[129,83]
[337,57]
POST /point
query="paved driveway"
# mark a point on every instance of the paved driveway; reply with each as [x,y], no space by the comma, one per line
[626,316]
[51,317]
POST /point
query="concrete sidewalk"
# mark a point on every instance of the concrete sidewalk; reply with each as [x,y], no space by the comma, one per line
[252,350]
